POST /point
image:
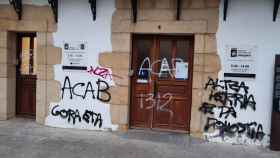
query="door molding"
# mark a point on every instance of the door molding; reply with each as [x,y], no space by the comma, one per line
[26,82]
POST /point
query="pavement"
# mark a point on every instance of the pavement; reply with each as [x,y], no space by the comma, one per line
[23,138]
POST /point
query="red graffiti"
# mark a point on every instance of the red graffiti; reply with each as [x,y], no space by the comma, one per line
[99,71]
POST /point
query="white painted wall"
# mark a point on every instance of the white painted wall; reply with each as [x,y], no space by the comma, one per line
[250,23]
[75,24]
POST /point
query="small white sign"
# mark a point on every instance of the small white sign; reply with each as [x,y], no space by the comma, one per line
[75,53]
[182,70]
[142,81]
[240,60]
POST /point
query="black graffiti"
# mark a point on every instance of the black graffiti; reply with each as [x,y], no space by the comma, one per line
[227,85]
[233,99]
[74,116]
[226,95]
[237,97]
[224,110]
[252,129]
[102,90]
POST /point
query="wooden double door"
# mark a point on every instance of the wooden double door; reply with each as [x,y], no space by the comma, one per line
[26,75]
[161,83]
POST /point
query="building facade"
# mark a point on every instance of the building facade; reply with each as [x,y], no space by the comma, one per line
[203,67]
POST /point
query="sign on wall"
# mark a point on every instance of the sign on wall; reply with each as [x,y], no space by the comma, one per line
[75,55]
[240,61]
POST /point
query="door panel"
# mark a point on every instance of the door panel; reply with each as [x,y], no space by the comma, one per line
[163,111]
[180,113]
[140,108]
[177,87]
[165,59]
[26,95]
[163,79]
[141,117]
[26,74]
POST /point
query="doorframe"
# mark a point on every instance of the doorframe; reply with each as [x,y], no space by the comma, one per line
[192,45]
[19,35]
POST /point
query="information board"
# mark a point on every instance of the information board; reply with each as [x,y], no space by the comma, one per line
[75,55]
[240,61]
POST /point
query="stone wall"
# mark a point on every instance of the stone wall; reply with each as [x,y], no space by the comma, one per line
[37,19]
[119,104]
[7,75]
[198,18]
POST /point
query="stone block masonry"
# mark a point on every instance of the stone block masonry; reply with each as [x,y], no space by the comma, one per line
[199,18]
[37,19]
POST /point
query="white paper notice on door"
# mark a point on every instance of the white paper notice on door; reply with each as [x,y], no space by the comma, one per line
[181,72]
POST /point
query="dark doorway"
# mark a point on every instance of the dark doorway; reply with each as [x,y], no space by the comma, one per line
[26,74]
[275,119]
[161,85]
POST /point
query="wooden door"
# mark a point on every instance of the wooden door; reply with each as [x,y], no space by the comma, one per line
[26,75]
[275,118]
[162,82]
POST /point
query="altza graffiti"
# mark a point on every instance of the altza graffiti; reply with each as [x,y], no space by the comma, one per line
[225,96]
[102,72]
